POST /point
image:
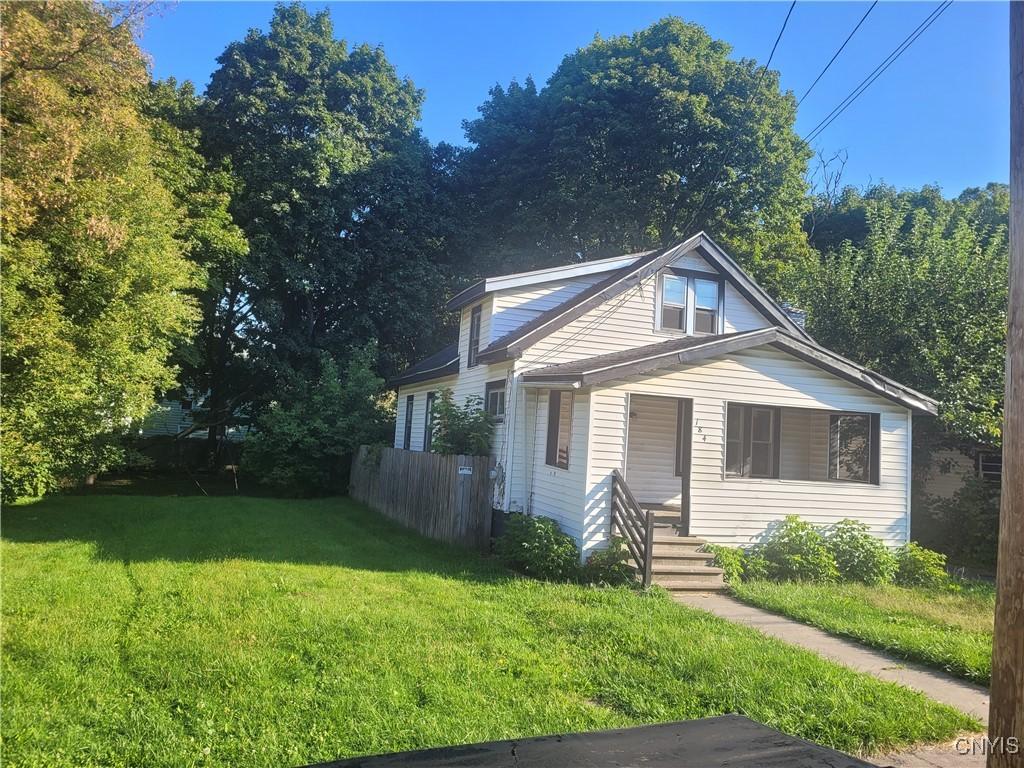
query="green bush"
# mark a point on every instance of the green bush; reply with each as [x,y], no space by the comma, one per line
[859,556]
[461,430]
[537,547]
[755,567]
[796,551]
[730,560]
[609,566]
[920,567]
[966,525]
[302,447]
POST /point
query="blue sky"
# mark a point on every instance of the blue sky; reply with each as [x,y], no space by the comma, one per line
[940,114]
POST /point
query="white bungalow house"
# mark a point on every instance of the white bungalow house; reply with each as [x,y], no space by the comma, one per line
[666,394]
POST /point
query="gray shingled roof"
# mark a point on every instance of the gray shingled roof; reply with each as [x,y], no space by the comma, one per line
[445,362]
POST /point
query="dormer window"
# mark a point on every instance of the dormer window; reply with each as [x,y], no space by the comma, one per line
[705,306]
[689,301]
[474,335]
[673,303]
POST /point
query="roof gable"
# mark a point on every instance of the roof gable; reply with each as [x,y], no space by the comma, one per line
[646,265]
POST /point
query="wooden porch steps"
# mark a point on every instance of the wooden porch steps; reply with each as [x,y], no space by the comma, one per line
[651,535]
[679,563]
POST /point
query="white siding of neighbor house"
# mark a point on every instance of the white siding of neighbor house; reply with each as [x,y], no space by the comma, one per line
[737,511]
[949,468]
[628,321]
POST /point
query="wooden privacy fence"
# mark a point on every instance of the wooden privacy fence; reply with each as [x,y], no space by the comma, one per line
[444,497]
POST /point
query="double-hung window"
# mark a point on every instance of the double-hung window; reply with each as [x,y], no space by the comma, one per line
[474,336]
[673,303]
[559,428]
[494,400]
[751,441]
[705,306]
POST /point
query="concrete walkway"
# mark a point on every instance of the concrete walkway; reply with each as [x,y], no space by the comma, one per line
[967,697]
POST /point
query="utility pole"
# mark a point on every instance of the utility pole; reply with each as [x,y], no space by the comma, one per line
[1006,710]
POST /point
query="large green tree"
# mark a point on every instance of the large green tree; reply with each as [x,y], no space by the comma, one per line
[214,362]
[915,286]
[336,197]
[635,142]
[95,270]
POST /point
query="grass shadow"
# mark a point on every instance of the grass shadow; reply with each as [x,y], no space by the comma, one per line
[328,531]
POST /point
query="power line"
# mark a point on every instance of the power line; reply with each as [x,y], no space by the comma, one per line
[878,71]
[750,98]
[836,54]
[777,39]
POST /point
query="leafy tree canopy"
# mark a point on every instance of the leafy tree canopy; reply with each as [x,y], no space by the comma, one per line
[336,196]
[95,280]
[635,142]
[915,286]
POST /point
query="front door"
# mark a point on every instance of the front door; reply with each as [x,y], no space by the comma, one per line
[684,454]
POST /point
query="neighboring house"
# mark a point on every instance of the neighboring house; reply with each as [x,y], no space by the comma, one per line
[672,378]
[173,417]
[950,468]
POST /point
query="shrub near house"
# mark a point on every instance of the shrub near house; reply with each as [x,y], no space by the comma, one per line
[798,551]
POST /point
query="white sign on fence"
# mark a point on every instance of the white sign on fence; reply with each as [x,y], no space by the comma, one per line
[465,470]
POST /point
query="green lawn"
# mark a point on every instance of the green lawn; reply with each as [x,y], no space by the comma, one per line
[951,631]
[181,631]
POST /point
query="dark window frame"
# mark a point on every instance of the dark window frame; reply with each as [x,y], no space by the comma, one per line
[874,447]
[684,439]
[746,415]
[475,315]
[553,457]
[410,403]
[428,421]
[491,387]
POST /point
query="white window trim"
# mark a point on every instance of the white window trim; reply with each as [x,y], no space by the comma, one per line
[659,303]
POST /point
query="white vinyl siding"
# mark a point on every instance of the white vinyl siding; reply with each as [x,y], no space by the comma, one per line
[518,306]
[629,320]
[419,410]
[553,492]
[738,510]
